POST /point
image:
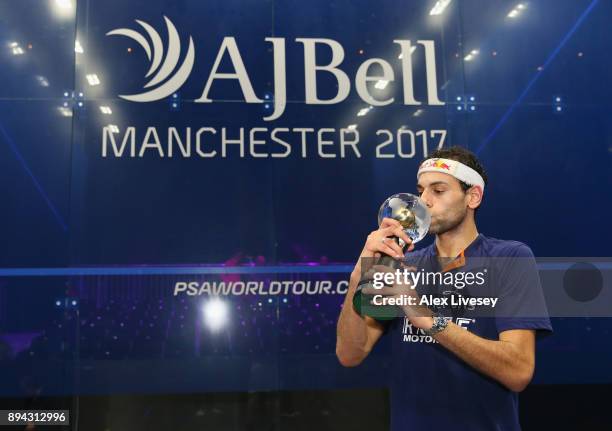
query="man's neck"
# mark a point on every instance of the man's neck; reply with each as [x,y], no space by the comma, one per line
[451,243]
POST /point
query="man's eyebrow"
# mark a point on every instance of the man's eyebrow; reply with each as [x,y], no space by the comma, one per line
[435,183]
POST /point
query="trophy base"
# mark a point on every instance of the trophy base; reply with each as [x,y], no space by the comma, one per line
[363,306]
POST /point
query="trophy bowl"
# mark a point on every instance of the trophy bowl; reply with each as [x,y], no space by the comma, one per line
[410,211]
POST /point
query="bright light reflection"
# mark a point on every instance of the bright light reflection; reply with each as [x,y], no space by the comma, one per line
[381,84]
[63,8]
[517,10]
[93,79]
[473,53]
[215,313]
[363,111]
[412,49]
[66,112]
[439,7]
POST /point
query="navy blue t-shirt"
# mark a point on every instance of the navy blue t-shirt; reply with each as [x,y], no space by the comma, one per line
[431,388]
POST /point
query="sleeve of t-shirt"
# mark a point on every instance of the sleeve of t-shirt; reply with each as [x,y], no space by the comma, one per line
[521,303]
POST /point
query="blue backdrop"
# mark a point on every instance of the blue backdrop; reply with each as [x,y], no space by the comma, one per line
[95,237]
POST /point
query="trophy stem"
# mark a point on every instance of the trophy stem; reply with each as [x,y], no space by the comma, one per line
[361,302]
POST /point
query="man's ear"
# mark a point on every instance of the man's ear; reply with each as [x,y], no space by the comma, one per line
[474,195]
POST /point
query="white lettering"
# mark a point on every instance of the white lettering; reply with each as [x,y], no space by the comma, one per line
[240,73]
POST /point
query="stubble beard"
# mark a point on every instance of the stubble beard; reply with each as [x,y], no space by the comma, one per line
[454,219]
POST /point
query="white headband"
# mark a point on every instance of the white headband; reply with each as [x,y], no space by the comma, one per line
[456,169]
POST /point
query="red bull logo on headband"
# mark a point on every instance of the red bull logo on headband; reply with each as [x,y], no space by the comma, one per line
[453,167]
[435,163]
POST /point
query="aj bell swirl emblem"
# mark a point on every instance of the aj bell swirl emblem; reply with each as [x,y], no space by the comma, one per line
[164,81]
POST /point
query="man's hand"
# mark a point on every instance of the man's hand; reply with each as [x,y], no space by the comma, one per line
[356,335]
[419,315]
[378,241]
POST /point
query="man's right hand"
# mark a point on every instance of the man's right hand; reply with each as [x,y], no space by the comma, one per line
[378,241]
[357,335]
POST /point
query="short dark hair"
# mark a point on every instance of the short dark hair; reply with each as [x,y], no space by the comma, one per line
[464,156]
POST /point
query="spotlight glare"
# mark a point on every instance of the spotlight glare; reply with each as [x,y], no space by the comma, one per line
[66,112]
[64,4]
[215,313]
[63,9]
[473,53]
[42,81]
[93,79]
[363,111]
[517,10]
[77,47]
[381,84]
[439,7]
[412,49]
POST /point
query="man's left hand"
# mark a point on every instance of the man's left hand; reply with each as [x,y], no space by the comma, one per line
[420,316]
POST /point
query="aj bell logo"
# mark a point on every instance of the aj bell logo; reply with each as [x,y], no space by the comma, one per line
[173,54]
[168,78]
[410,334]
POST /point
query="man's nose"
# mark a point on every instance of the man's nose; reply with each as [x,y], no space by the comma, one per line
[426,198]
